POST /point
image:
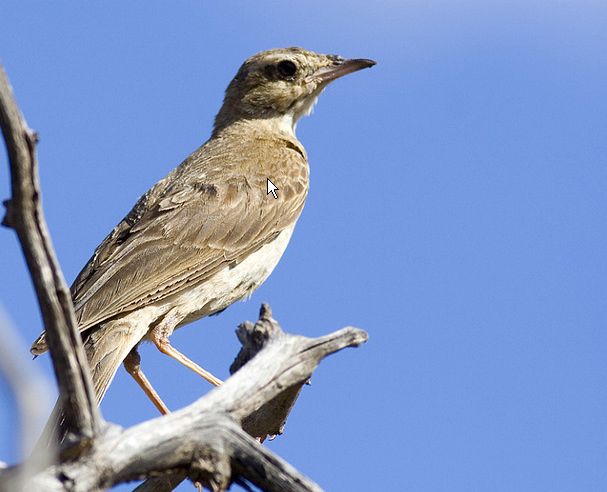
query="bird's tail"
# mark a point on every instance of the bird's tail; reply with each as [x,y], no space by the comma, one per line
[106,347]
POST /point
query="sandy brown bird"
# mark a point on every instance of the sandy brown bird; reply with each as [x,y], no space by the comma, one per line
[208,234]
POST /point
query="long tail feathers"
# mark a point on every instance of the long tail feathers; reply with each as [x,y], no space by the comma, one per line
[106,347]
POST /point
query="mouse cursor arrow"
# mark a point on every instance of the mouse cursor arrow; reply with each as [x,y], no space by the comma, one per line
[272,188]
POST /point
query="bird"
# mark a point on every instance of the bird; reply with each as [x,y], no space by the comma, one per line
[210,232]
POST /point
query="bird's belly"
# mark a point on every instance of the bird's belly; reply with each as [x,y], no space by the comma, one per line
[232,284]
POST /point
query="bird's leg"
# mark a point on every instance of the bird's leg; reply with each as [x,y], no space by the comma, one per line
[132,364]
[160,336]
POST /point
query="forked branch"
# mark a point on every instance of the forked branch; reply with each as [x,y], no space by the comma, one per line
[205,440]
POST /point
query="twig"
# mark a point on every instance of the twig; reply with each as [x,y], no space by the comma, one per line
[25,216]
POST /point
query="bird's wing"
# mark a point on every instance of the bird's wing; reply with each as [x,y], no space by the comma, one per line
[179,234]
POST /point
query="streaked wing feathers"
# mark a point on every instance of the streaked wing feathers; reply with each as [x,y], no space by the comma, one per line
[210,212]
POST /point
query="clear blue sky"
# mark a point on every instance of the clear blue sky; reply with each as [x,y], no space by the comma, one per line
[457,212]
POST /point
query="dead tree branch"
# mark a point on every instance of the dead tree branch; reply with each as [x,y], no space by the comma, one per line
[24,214]
[205,440]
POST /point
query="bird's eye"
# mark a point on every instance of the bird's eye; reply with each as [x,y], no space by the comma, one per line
[286,68]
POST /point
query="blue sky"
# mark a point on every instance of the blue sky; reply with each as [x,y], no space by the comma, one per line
[457,212]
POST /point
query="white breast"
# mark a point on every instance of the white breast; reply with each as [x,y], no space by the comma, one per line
[232,284]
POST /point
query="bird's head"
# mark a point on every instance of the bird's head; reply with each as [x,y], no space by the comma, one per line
[281,85]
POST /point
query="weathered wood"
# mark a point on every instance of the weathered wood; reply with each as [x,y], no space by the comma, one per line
[25,216]
[204,440]
[270,418]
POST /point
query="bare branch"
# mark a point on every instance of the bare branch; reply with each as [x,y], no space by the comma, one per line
[212,452]
[204,440]
[25,216]
[289,359]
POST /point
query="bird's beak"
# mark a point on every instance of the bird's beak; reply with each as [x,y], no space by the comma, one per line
[340,68]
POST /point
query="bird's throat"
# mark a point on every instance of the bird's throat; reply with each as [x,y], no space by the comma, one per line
[286,124]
